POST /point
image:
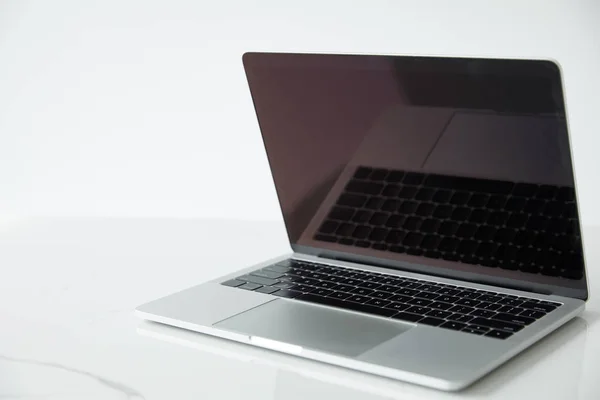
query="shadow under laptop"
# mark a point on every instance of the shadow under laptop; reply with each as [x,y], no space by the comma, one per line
[556,361]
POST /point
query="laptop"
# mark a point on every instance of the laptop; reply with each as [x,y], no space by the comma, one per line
[431,209]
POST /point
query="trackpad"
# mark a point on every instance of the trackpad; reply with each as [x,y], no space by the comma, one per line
[314,327]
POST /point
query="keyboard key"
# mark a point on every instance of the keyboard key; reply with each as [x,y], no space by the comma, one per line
[439,313]
[511,310]
[390,205]
[411,285]
[257,280]
[413,178]
[498,334]
[395,221]
[459,198]
[345,229]
[490,306]
[514,302]
[233,283]
[469,329]
[358,299]
[497,324]
[322,292]
[304,288]
[326,238]
[340,295]
[381,295]
[469,295]
[515,319]
[250,286]
[533,314]
[344,288]
[307,281]
[419,310]
[408,192]
[362,291]
[407,292]
[329,227]
[378,174]
[374,203]
[456,326]
[287,293]
[538,307]
[399,298]
[369,284]
[425,209]
[398,306]
[352,200]
[431,321]
[478,327]
[479,216]
[440,305]
[408,207]
[326,284]
[405,316]
[425,194]
[395,176]
[351,282]
[460,318]
[447,298]
[389,285]
[478,200]
[419,302]
[284,285]
[341,213]
[395,236]
[467,302]
[364,187]
[427,295]
[489,298]
[448,245]
[413,239]
[483,313]
[447,292]
[496,202]
[361,232]
[378,303]
[461,309]
[391,190]
[267,289]
[277,268]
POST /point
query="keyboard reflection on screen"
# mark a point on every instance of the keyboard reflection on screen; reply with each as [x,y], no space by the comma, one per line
[510,225]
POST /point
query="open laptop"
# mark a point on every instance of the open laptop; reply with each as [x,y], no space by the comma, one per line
[431,207]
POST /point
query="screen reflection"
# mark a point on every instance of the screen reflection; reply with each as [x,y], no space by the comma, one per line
[460,164]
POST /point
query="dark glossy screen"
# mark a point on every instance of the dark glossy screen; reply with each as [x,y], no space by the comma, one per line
[452,166]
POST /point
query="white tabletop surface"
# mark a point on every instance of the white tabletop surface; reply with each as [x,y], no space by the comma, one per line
[68,288]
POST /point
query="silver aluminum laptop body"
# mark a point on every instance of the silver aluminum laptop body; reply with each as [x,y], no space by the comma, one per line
[413,130]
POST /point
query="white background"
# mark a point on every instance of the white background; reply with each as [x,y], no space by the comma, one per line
[141,108]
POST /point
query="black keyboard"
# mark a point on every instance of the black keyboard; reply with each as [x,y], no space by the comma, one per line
[491,223]
[458,308]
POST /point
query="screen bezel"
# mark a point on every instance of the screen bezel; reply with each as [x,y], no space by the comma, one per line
[251,59]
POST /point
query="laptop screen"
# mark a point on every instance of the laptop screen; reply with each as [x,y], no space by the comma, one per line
[454,167]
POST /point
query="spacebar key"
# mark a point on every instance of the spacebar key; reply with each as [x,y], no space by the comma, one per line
[327,301]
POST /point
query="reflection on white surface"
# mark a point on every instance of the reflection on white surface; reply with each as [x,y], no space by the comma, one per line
[557,360]
[50,380]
